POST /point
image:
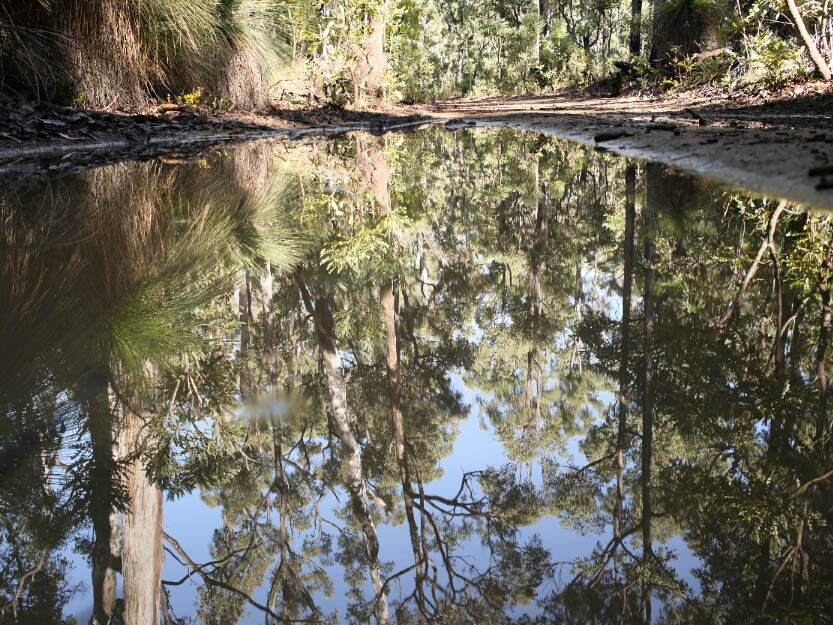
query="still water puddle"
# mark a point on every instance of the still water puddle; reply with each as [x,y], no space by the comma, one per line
[438,377]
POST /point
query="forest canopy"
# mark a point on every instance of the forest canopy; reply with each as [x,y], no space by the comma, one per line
[253,53]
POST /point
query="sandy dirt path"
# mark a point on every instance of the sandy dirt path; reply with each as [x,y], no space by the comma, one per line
[775,147]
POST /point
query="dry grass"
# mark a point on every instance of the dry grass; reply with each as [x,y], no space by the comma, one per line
[121,53]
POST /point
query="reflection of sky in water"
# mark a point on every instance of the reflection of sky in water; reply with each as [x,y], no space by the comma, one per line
[192,523]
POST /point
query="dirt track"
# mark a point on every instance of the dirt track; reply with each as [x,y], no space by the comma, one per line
[769,146]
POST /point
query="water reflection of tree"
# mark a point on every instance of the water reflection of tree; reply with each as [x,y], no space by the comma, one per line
[722,406]
[108,289]
[719,430]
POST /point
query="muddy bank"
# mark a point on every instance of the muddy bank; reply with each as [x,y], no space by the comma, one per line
[781,148]
[47,138]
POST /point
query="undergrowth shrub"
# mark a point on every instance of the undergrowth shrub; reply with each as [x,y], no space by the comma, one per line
[772,61]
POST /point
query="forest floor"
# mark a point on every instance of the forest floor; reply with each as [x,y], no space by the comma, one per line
[778,144]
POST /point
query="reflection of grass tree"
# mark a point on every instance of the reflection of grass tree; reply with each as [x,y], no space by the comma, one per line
[146,247]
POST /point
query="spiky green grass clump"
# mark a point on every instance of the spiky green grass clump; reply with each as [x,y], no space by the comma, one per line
[685,24]
[123,53]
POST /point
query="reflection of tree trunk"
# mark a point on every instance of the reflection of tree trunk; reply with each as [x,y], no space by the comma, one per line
[336,386]
[374,169]
[280,476]
[283,497]
[780,355]
[270,351]
[530,359]
[106,548]
[622,399]
[392,365]
[141,535]
[536,303]
[821,358]
[767,243]
[244,310]
[648,404]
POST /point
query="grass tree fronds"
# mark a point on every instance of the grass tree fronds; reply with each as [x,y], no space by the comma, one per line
[182,38]
[685,24]
[28,62]
[258,36]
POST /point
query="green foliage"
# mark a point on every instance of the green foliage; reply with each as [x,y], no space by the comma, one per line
[247,52]
[772,60]
[766,53]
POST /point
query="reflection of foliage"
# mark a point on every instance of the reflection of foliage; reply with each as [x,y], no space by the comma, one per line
[500,269]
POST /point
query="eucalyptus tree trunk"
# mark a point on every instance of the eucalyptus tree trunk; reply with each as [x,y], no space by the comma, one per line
[537,50]
[635,35]
[818,59]
[372,63]
[655,50]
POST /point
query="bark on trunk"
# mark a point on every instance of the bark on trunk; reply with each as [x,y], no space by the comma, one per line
[635,36]
[372,63]
[818,59]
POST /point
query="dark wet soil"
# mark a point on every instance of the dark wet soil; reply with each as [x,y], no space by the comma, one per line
[771,142]
[46,137]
